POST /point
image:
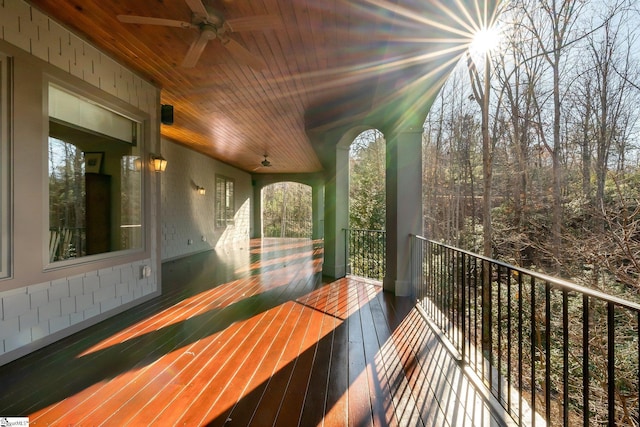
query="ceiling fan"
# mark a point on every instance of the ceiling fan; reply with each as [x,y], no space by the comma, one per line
[212,25]
[265,163]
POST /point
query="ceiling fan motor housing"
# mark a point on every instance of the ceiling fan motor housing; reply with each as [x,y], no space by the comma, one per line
[208,31]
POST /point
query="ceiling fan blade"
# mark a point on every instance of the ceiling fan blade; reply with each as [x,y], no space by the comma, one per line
[252,23]
[197,7]
[192,56]
[147,20]
[242,55]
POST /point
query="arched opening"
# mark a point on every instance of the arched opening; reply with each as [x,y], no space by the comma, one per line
[367,191]
[366,236]
[287,210]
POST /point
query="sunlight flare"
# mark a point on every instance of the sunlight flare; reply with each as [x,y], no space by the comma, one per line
[485,40]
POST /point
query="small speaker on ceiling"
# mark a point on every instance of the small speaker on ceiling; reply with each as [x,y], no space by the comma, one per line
[166,114]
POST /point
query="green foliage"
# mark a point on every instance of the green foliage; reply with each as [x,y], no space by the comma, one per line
[367,192]
[286,210]
[367,205]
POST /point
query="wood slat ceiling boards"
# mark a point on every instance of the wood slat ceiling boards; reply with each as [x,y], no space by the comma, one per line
[327,64]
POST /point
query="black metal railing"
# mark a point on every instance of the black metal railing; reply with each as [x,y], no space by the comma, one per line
[365,252]
[548,350]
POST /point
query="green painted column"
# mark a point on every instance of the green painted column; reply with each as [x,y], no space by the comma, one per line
[317,211]
[404,206]
[256,229]
[336,214]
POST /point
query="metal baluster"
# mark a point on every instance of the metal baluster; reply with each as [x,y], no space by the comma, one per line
[611,359]
[463,309]
[533,351]
[520,421]
[486,357]
[547,350]
[452,294]
[585,360]
[475,310]
[565,357]
[509,337]
[499,320]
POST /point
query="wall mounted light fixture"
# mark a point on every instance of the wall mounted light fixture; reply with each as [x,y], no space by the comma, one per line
[201,190]
[159,163]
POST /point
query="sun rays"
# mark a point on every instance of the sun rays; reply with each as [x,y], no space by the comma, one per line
[486,40]
[403,53]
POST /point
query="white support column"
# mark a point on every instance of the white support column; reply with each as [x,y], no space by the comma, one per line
[336,215]
[404,206]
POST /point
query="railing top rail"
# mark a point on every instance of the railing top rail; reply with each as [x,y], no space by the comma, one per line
[554,281]
[364,229]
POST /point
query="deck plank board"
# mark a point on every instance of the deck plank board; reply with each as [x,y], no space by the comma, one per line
[286,389]
[257,338]
[338,379]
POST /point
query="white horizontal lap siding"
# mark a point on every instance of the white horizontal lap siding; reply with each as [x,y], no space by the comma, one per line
[35,315]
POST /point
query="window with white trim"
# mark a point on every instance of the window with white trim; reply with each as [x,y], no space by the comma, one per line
[95,178]
[225,203]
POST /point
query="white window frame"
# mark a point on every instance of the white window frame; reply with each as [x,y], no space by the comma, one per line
[141,141]
[222,219]
[5,165]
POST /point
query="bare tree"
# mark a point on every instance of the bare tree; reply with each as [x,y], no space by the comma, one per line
[519,68]
[551,23]
[481,87]
[433,152]
[609,92]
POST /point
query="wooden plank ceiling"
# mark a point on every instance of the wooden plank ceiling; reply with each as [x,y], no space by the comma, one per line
[328,64]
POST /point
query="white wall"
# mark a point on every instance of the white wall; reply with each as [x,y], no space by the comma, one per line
[41,303]
[188,216]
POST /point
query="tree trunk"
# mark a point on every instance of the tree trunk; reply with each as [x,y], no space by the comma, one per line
[556,226]
[487,158]
[585,148]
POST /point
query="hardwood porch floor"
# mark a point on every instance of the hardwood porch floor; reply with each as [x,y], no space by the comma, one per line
[249,337]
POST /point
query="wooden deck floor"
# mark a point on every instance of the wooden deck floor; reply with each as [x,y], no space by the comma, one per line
[249,337]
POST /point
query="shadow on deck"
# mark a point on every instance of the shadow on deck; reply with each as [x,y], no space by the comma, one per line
[251,336]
